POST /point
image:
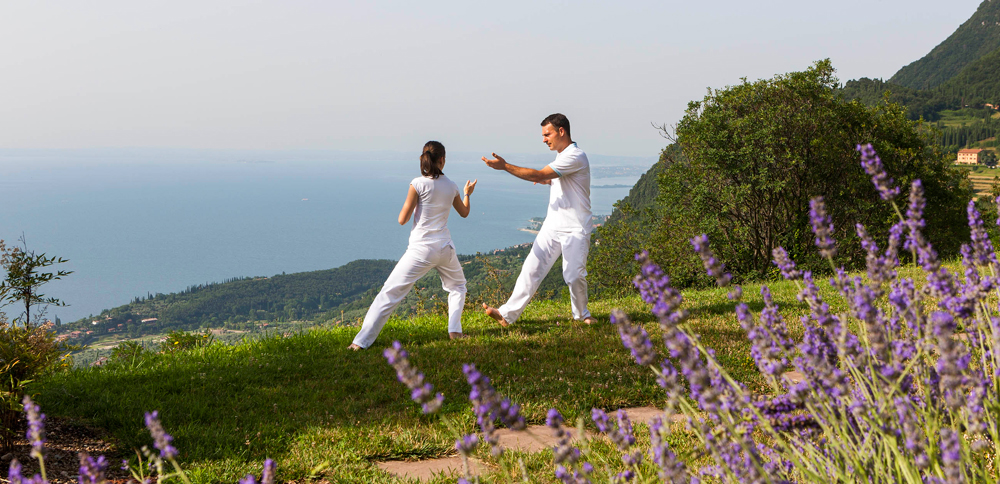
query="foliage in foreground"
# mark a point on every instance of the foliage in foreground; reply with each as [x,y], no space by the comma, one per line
[28,348]
[162,465]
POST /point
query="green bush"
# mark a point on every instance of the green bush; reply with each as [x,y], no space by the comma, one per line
[179,340]
[752,156]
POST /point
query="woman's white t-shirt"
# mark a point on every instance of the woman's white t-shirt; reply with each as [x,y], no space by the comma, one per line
[430,219]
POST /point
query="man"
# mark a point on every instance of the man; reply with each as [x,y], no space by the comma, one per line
[566,229]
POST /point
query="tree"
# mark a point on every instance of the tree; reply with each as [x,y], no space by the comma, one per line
[24,278]
[754,154]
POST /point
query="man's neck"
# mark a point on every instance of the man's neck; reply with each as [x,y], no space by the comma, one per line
[560,150]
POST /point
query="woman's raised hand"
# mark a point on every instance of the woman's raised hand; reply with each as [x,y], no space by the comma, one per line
[470,186]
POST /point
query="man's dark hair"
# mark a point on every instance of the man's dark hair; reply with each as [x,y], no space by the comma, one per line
[557,121]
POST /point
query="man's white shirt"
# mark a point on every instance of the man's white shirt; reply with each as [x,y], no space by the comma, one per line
[569,197]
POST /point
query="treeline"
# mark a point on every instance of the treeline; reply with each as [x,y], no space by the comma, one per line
[340,295]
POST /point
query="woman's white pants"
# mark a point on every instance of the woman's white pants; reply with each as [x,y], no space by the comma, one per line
[418,260]
[549,245]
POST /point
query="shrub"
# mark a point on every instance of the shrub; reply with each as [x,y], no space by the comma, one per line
[28,349]
[750,156]
[179,340]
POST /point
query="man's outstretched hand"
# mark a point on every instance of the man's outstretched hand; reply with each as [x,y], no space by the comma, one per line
[497,163]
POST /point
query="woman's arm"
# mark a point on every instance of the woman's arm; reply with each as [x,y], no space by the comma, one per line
[408,206]
[462,204]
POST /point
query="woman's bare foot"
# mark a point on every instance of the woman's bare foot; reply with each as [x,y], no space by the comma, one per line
[457,335]
[354,347]
[493,313]
[589,320]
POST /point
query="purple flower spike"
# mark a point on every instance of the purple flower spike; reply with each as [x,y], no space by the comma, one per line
[873,167]
[267,477]
[161,439]
[635,338]
[488,406]
[713,266]
[36,426]
[420,392]
[785,264]
[15,476]
[822,226]
[671,469]
[563,452]
[467,444]
[92,471]
[951,455]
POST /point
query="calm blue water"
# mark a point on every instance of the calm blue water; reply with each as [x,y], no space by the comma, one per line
[138,221]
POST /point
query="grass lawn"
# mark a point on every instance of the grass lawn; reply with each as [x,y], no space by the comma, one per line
[321,410]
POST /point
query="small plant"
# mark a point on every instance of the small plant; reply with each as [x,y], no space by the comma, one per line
[128,352]
[179,340]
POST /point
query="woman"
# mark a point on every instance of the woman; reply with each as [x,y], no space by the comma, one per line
[431,196]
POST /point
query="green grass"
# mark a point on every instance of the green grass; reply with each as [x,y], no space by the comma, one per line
[305,400]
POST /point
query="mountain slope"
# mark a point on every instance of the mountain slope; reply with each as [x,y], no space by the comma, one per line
[975,38]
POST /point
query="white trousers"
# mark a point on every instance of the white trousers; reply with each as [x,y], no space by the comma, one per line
[418,260]
[549,244]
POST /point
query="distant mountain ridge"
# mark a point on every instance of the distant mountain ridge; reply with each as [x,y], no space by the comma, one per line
[975,38]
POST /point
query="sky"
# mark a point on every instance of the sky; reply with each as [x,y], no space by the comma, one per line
[390,75]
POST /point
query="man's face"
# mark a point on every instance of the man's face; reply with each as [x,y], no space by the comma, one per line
[554,138]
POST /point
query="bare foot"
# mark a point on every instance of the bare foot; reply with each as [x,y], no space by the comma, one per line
[589,320]
[354,347]
[493,313]
[457,335]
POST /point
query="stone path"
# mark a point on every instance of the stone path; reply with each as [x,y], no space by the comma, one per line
[535,438]
[426,469]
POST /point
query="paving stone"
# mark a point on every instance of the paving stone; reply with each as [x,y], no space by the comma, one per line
[645,414]
[793,376]
[426,469]
[535,438]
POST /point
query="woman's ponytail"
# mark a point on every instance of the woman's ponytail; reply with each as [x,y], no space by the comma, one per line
[431,158]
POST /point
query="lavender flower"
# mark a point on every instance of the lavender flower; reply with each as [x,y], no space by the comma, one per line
[15,476]
[36,426]
[563,452]
[671,469]
[421,392]
[912,432]
[488,406]
[654,287]
[267,476]
[635,338]
[951,456]
[769,340]
[713,265]
[92,471]
[467,444]
[161,439]
[785,264]
[982,247]
[873,167]
[822,226]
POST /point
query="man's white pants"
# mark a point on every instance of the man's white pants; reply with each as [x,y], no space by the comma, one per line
[549,244]
[417,261]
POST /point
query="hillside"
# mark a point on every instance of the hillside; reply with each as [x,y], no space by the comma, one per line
[976,37]
[341,295]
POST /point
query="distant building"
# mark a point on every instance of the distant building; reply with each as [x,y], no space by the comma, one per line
[990,106]
[149,320]
[969,156]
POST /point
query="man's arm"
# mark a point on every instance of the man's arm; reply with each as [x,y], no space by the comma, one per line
[529,174]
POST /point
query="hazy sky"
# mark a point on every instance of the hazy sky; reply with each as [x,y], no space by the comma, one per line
[387,75]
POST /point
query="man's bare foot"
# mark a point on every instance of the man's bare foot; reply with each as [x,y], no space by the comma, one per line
[589,320]
[457,335]
[354,347]
[493,313]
